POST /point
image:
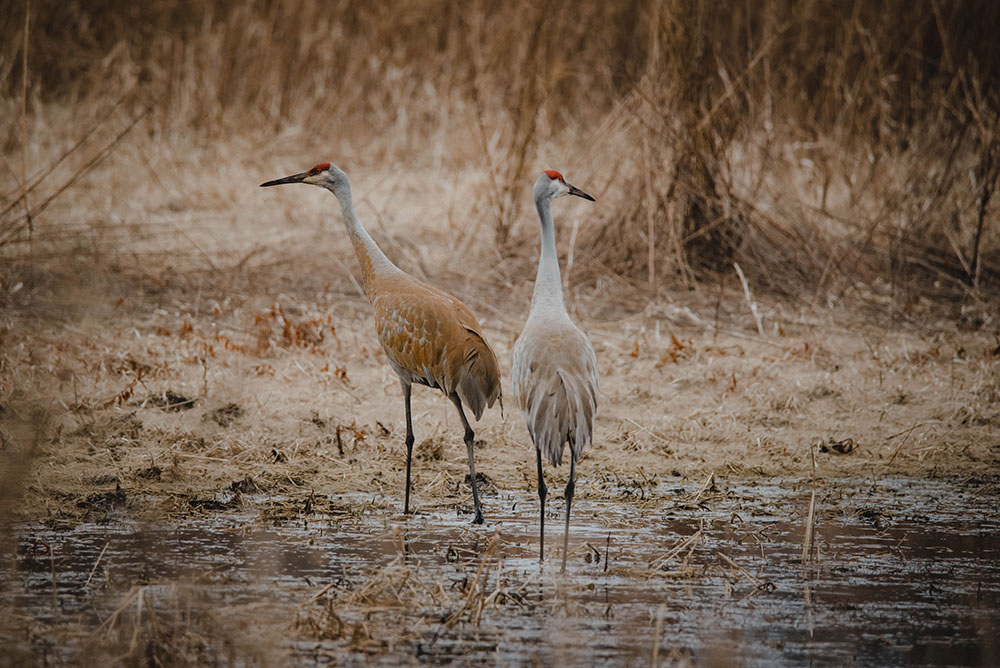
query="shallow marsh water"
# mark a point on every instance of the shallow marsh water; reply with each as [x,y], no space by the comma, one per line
[902,572]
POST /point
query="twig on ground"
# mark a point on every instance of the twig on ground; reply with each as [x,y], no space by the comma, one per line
[701,490]
[757,582]
[654,660]
[750,302]
[94,569]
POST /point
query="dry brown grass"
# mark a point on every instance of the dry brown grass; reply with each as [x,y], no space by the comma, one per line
[819,144]
[180,411]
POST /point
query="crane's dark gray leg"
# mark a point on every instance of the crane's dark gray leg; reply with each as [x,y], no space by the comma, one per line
[569,503]
[542,492]
[409,445]
[470,438]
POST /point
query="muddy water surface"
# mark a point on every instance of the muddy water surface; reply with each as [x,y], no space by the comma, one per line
[900,572]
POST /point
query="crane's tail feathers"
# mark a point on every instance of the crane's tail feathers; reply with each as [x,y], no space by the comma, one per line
[585,405]
[561,411]
[472,395]
[479,376]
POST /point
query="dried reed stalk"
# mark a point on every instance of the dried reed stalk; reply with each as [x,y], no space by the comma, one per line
[24,122]
[750,302]
[654,659]
[807,541]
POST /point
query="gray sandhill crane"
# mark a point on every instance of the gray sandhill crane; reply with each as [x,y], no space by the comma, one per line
[428,336]
[554,374]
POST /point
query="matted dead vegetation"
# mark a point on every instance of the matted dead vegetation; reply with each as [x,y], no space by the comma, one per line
[202,411]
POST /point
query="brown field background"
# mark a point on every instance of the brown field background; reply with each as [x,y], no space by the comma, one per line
[818,143]
[168,327]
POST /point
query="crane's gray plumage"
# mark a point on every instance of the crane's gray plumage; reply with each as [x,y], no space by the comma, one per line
[554,377]
[554,372]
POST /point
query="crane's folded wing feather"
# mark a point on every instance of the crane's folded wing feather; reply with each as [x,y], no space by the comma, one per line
[434,339]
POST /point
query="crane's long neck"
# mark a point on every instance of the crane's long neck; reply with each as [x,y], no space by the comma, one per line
[373,261]
[548,283]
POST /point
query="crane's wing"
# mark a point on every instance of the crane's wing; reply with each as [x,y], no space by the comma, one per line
[433,338]
[555,382]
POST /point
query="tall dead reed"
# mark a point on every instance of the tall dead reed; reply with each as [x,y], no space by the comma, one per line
[821,145]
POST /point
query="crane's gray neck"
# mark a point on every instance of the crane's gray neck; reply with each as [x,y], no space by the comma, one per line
[373,261]
[548,282]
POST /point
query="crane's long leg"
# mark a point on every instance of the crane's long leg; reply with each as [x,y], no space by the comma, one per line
[470,438]
[542,492]
[569,503]
[409,444]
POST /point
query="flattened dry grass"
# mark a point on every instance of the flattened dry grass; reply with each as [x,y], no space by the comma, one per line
[181,411]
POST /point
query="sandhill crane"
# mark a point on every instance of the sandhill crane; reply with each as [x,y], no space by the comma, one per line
[429,337]
[554,374]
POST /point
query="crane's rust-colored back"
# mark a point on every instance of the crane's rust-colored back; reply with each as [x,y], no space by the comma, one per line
[433,339]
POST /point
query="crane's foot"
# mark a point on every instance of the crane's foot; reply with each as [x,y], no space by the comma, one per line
[478,517]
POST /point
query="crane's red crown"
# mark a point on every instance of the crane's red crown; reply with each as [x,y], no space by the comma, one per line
[320,167]
[554,175]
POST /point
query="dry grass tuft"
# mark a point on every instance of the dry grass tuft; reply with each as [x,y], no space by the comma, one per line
[168,625]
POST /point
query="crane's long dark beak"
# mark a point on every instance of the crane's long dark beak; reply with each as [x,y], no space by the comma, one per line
[573,190]
[295,178]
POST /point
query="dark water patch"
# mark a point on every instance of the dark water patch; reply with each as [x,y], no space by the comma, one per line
[902,572]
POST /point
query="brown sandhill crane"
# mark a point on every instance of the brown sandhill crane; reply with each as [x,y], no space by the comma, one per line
[554,374]
[429,337]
